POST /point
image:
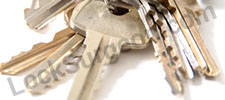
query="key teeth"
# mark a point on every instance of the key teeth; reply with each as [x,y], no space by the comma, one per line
[169,45]
[24,52]
[169,5]
[2,67]
[59,39]
[17,56]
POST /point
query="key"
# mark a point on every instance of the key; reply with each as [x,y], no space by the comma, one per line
[57,61]
[155,34]
[42,11]
[167,52]
[196,62]
[104,31]
[208,66]
[186,60]
[189,52]
[182,52]
[66,44]
[39,52]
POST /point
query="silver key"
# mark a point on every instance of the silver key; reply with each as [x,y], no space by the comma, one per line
[145,12]
[104,32]
[178,37]
[42,11]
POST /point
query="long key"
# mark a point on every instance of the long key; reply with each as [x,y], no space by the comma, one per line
[208,66]
[162,50]
[42,11]
[167,52]
[103,29]
[164,58]
[36,55]
[180,59]
[179,38]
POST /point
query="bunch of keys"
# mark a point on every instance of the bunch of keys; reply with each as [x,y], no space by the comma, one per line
[98,30]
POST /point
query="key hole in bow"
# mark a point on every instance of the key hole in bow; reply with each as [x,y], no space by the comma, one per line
[119,11]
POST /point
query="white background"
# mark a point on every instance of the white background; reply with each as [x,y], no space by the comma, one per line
[137,75]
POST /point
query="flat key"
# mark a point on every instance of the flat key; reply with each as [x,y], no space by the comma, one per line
[106,35]
[172,40]
[167,53]
[55,62]
[36,55]
[42,11]
[182,53]
[182,44]
[162,51]
[208,66]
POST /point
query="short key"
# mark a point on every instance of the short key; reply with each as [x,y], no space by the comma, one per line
[103,29]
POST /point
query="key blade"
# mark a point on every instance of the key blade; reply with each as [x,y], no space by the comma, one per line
[161,49]
[37,17]
[38,53]
[208,65]
[46,68]
[85,64]
[164,58]
[120,32]
[183,50]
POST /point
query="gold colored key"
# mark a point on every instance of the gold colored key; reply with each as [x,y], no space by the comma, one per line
[37,54]
[184,9]
[97,32]
[57,61]
[179,47]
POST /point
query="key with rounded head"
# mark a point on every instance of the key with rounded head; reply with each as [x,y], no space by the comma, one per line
[106,35]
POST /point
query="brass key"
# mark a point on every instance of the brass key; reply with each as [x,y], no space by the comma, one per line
[184,8]
[97,32]
[36,55]
[57,59]
[182,53]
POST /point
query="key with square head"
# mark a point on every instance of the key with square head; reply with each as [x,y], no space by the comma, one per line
[106,35]
[42,11]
